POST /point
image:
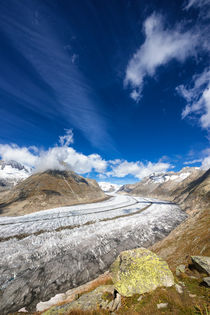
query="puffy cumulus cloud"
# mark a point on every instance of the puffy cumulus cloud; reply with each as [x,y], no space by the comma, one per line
[197,96]
[22,155]
[65,157]
[58,157]
[137,169]
[85,163]
[160,46]
[61,157]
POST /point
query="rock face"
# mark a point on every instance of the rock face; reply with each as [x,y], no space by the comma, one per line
[202,263]
[49,190]
[88,301]
[138,271]
[189,188]
[206,281]
[196,195]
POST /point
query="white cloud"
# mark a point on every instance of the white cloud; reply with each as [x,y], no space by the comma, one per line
[206,163]
[58,157]
[74,58]
[67,139]
[22,155]
[137,169]
[65,157]
[198,98]
[206,159]
[192,162]
[160,46]
[196,3]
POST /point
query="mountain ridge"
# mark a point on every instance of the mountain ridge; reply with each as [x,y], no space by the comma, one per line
[179,187]
[50,189]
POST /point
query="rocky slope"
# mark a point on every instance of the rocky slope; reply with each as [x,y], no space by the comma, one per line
[190,187]
[190,238]
[196,195]
[49,190]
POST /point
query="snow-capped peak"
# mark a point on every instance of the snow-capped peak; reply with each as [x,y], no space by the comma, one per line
[109,187]
[12,172]
[160,178]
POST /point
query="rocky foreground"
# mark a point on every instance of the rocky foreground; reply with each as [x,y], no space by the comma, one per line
[140,282]
[53,251]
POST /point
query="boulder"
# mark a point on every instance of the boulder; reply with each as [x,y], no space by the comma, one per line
[201,263]
[179,288]
[138,271]
[162,305]
[180,269]
[206,281]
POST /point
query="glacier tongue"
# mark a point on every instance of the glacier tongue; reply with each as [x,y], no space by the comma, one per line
[38,266]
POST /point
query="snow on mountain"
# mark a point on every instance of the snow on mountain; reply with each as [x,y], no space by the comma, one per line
[12,172]
[170,176]
[109,187]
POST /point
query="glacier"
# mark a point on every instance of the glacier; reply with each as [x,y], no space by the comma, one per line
[52,251]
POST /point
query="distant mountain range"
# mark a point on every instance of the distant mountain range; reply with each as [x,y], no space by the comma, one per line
[11,173]
[189,187]
[109,187]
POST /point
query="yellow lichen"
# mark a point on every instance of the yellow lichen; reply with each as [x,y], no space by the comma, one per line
[139,271]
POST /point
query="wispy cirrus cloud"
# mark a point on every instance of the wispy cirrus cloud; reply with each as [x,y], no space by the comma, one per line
[192,162]
[197,92]
[197,96]
[161,45]
[67,139]
[196,4]
[50,82]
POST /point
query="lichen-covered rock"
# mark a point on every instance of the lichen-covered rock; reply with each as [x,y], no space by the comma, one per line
[202,263]
[88,301]
[138,271]
[180,269]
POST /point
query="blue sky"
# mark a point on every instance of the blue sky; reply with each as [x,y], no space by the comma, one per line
[126,83]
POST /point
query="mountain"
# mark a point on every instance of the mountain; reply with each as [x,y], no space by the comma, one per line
[47,190]
[188,187]
[196,195]
[109,187]
[11,173]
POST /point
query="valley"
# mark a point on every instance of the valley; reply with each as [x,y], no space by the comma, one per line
[36,248]
[59,230]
